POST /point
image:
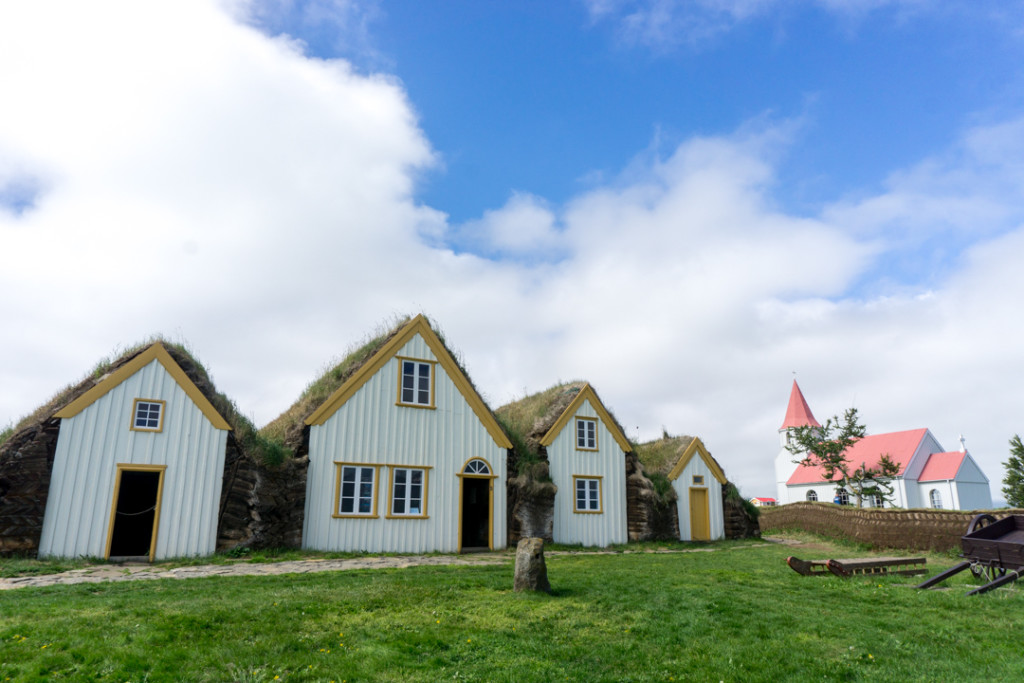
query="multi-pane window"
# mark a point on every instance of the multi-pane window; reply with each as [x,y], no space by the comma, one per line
[408,490]
[415,388]
[812,495]
[588,494]
[842,497]
[586,434]
[356,496]
[147,415]
[936,499]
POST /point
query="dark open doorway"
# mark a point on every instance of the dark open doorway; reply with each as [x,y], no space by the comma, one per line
[476,510]
[135,514]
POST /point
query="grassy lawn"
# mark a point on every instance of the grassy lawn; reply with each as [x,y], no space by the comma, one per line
[735,614]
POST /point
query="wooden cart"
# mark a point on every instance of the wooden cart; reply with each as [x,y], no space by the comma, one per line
[993,549]
[860,566]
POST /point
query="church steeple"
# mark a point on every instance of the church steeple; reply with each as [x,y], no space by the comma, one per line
[798,414]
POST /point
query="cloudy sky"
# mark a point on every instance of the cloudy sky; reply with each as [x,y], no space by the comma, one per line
[686,203]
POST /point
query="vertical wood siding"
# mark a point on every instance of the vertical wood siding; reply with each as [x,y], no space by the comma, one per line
[609,463]
[682,484]
[93,443]
[370,428]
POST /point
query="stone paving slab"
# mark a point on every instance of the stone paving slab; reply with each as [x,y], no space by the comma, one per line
[105,573]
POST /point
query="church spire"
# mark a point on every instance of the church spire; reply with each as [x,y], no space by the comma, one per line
[798,414]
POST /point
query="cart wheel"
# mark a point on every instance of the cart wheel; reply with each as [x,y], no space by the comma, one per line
[994,572]
[980,522]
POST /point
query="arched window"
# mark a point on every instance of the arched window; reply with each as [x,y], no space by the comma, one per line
[476,467]
[875,501]
[812,496]
[842,497]
[936,499]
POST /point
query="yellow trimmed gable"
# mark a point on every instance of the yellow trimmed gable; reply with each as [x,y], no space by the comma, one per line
[696,447]
[420,326]
[587,393]
[156,352]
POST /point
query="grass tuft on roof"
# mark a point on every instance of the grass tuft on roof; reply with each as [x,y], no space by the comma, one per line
[287,428]
[243,429]
[660,455]
[530,418]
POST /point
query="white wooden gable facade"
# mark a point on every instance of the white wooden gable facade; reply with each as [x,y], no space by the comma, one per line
[138,466]
[697,480]
[587,461]
[406,457]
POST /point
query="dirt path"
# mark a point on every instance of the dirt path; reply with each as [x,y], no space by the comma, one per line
[103,573]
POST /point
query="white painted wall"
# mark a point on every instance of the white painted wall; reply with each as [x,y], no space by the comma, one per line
[682,485]
[609,463]
[370,428]
[94,442]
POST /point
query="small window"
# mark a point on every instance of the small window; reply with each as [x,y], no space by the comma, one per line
[698,480]
[357,490]
[842,497]
[588,494]
[148,415]
[936,499]
[812,496]
[586,434]
[416,386]
[408,492]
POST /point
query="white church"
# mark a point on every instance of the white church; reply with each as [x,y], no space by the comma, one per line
[929,476]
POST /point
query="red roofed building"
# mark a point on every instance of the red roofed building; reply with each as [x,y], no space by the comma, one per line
[929,477]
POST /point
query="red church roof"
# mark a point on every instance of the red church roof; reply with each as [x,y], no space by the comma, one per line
[942,466]
[900,446]
[798,414]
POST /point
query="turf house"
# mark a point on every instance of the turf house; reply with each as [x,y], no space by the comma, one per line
[130,462]
[928,477]
[569,438]
[403,453]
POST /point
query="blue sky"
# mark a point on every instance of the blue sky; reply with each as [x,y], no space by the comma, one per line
[682,202]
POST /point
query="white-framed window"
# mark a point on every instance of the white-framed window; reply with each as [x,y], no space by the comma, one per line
[148,415]
[356,490]
[416,383]
[408,492]
[588,494]
[812,496]
[874,501]
[936,499]
[586,434]
[842,497]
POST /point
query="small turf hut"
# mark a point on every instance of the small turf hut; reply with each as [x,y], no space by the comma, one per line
[129,462]
[707,506]
[566,436]
[404,455]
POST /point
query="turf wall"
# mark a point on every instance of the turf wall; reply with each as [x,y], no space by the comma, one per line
[905,529]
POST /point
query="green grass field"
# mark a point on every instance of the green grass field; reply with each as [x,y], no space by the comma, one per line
[734,614]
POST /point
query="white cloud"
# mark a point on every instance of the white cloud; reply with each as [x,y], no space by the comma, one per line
[261,205]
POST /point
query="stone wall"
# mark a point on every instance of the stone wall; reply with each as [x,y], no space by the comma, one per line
[262,506]
[648,517]
[739,523]
[938,530]
[25,467]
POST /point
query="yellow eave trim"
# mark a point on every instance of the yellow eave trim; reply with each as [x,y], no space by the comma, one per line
[587,392]
[417,325]
[158,352]
[696,447]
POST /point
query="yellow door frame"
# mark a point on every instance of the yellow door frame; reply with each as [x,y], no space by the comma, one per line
[700,515]
[122,467]
[490,499]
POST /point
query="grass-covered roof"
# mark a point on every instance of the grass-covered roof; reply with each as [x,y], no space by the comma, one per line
[243,429]
[287,428]
[531,417]
[660,455]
